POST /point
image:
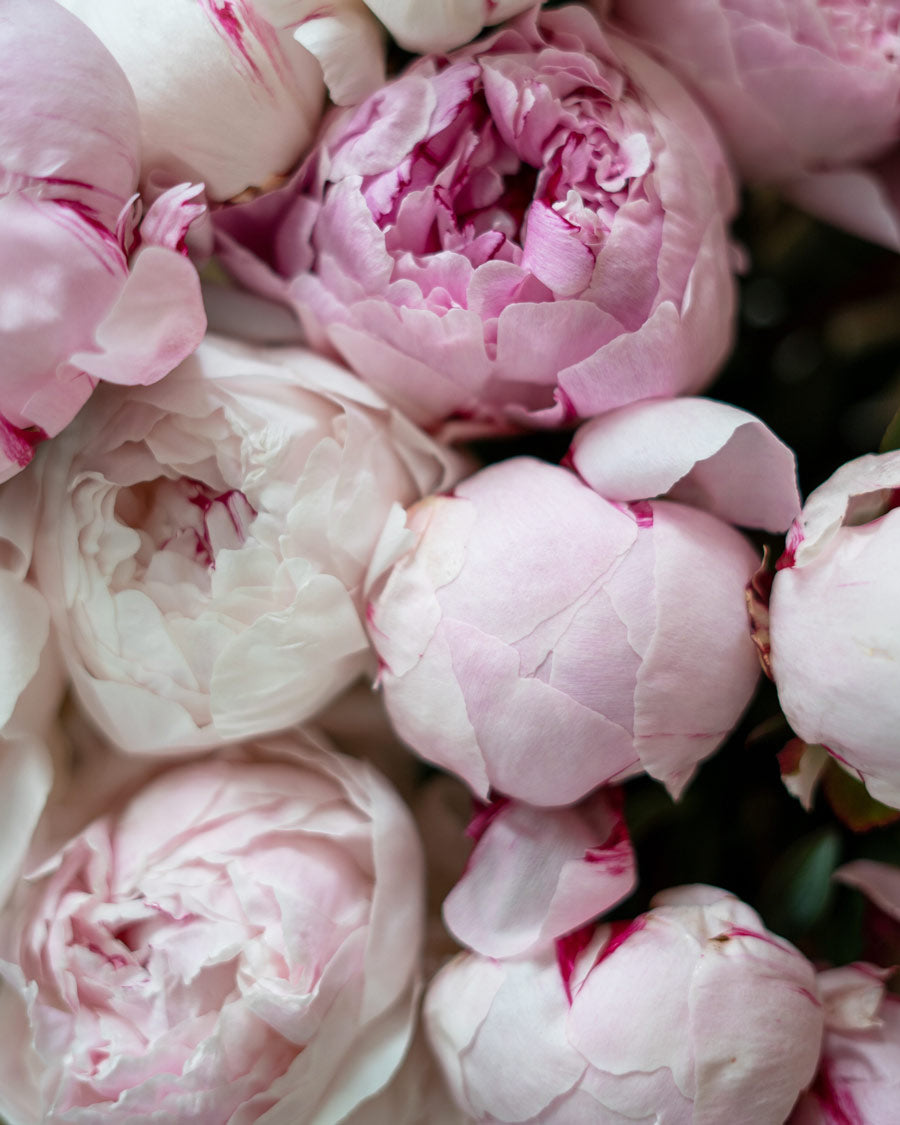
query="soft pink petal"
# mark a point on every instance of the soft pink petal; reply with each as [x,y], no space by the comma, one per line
[700,452]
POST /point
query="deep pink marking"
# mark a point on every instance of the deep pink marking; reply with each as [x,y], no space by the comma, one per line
[204,499]
[621,932]
[568,950]
[230,26]
[569,411]
[18,445]
[838,1103]
[642,511]
[794,538]
[483,815]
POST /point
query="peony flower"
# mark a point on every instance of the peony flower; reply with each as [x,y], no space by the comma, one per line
[205,542]
[859,1071]
[543,640]
[31,684]
[237,941]
[532,230]
[231,91]
[443,25]
[85,292]
[692,1014]
[806,92]
[834,620]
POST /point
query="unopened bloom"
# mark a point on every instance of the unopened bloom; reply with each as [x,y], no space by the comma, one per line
[835,622]
[422,27]
[693,1014]
[205,543]
[230,92]
[86,292]
[528,231]
[236,941]
[550,634]
[806,92]
[858,1079]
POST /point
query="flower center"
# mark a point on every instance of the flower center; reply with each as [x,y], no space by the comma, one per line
[185,517]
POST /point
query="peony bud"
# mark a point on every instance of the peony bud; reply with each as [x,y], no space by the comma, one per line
[835,622]
[692,1014]
[230,92]
[544,640]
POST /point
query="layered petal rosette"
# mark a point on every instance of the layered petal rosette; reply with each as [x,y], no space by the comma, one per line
[804,91]
[231,91]
[549,634]
[835,622]
[236,941]
[531,230]
[692,1014]
[86,293]
[205,543]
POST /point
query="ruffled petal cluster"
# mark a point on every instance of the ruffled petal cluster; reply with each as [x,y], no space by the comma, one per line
[530,230]
[205,543]
[220,945]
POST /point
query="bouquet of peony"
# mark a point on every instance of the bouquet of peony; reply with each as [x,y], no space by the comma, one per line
[421,704]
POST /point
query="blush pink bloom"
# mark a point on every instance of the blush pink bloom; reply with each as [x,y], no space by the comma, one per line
[835,622]
[804,91]
[442,25]
[86,292]
[230,92]
[543,640]
[859,1072]
[692,1014]
[206,543]
[530,231]
[238,941]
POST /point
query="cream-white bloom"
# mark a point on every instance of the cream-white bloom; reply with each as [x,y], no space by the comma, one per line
[440,25]
[232,93]
[205,543]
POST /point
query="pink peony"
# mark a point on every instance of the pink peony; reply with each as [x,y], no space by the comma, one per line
[804,91]
[835,622]
[859,1072]
[692,1014]
[543,640]
[532,230]
[206,543]
[85,292]
[231,91]
[237,941]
